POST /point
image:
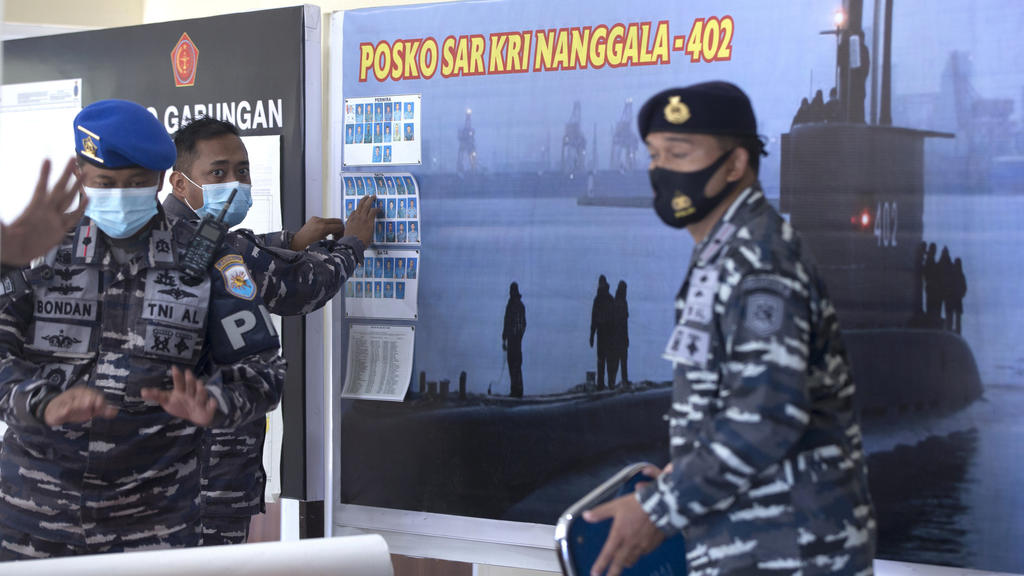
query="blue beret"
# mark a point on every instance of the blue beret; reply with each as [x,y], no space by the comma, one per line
[118,134]
[718,108]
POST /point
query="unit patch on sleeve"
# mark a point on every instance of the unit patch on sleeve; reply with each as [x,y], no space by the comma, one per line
[764,314]
[237,280]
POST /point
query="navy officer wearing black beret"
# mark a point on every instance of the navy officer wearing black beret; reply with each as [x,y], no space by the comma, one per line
[115,363]
[767,471]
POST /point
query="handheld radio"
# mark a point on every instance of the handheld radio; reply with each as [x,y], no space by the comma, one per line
[205,242]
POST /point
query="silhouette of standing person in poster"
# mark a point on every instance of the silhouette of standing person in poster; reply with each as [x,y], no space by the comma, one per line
[933,297]
[621,329]
[602,324]
[945,274]
[959,291]
[512,338]
[919,254]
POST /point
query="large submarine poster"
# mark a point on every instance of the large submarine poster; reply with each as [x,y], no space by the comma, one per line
[547,284]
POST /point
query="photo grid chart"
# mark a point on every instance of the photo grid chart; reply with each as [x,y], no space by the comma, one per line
[382,130]
[398,202]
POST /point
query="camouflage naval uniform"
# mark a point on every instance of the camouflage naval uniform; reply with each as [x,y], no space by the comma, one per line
[292,284]
[131,482]
[768,470]
[14,283]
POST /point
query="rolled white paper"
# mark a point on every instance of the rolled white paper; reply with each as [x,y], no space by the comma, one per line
[347,556]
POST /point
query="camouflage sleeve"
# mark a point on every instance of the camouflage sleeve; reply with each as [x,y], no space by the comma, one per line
[23,394]
[297,283]
[282,239]
[246,390]
[13,285]
[764,403]
[244,372]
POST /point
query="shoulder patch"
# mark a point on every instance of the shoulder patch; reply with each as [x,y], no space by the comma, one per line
[764,313]
[237,280]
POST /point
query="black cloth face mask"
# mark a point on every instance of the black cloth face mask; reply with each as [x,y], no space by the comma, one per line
[679,198]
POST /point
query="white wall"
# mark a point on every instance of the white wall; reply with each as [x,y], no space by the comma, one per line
[78,13]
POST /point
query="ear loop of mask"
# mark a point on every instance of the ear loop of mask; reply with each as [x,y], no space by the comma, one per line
[186,196]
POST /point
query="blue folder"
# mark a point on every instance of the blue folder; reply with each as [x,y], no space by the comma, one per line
[578,542]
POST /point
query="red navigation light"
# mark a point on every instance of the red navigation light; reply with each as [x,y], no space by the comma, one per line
[865,219]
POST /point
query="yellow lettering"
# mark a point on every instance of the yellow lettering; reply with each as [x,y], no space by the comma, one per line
[365,60]
[477,47]
[580,43]
[545,46]
[428,58]
[615,45]
[496,61]
[448,57]
[662,53]
[598,47]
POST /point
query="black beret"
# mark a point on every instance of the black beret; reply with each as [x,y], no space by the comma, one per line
[718,108]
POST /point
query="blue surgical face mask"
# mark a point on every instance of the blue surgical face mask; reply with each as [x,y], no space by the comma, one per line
[121,212]
[215,196]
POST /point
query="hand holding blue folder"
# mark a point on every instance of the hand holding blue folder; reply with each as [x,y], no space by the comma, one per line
[579,543]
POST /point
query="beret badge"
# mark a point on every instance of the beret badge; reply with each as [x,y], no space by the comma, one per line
[676,112]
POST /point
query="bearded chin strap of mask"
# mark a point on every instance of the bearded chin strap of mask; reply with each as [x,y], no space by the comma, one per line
[679,198]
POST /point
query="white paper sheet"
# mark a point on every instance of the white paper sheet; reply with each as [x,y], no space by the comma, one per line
[365,555]
[36,120]
[379,362]
[265,173]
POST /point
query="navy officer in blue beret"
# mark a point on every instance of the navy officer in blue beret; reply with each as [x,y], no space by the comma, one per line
[767,471]
[113,366]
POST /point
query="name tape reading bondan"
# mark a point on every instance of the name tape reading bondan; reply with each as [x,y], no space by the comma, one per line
[557,49]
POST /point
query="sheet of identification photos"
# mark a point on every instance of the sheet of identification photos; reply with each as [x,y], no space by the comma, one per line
[379,362]
[383,131]
[387,283]
[398,198]
[385,286]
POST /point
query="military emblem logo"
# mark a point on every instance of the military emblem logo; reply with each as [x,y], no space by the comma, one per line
[764,314]
[90,149]
[57,377]
[165,278]
[237,280]
[64,289]
[182,346]
[160,343]
[682,205]
[676,112]
[178,294]
[61,340]
[184,61]
[67,274]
